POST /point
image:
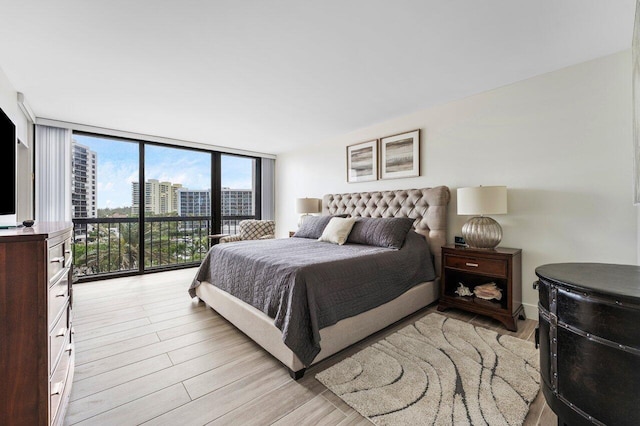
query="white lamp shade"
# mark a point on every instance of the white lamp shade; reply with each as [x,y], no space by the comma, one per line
[482,200]
[308,205]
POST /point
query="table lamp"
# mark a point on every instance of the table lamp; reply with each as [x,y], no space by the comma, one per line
[482,232]
[306,206]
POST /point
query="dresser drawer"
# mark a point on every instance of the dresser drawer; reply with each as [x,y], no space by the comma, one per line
[59,385]
[58,296]
[477,264]
[59,337]
[67,252]
[55,260]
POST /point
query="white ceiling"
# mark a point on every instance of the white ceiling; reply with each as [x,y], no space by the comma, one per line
[273,75]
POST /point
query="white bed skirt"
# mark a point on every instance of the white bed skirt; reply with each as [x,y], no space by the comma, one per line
[259,327]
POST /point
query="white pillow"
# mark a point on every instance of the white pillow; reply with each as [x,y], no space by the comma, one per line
[337,230]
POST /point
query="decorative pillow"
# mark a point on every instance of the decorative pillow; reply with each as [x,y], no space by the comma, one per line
[313,226]
[337,230]
[381,231]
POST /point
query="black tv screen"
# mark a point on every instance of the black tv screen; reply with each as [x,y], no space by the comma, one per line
[8,164]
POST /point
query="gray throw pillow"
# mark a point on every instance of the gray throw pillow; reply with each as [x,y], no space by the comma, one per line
[313,226]
[380,231]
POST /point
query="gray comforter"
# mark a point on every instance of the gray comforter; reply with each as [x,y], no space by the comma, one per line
[306,285]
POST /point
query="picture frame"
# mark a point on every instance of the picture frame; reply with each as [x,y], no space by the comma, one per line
[400,155]
[362,161]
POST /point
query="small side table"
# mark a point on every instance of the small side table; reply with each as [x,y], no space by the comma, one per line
[473,267]
[291,233]
[215,238]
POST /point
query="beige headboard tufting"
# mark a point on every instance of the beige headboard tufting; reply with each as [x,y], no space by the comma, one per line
[428,206]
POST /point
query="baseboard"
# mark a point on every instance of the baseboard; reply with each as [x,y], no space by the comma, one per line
[531,311]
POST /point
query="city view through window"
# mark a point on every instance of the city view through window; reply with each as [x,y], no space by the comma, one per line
[178,203]
[106,183]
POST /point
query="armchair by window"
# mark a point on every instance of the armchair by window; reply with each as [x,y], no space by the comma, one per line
[252,229]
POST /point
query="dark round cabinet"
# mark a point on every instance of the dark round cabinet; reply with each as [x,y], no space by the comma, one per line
[589,341]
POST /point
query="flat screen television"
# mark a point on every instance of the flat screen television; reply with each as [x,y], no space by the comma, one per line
[8,162]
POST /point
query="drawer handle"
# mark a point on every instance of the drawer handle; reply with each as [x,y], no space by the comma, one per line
[63,294]
[473,265]
[57,259]
[67,251]
[62,332]
[56,389]
[69,349]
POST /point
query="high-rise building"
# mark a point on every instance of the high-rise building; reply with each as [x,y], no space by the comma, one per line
[84,174]
[194,202]
[159,197]
[237,202]
[135,196]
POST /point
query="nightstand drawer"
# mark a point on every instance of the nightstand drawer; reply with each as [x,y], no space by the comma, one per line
[477,264]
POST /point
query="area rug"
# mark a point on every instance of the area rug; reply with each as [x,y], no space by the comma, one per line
[439,371]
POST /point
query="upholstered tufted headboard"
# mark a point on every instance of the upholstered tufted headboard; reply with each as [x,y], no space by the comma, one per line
[428,206]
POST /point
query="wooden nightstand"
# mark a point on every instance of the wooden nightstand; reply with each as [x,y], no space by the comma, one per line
[473,267]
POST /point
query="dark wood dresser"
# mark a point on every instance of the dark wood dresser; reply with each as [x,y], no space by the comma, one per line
[589,340]
[36,342]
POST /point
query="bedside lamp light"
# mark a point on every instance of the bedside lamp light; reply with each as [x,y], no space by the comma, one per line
[480,231]
[306,206]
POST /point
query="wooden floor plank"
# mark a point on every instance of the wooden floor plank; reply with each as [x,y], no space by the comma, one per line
[140,410]
[125,358]
[191,326]
[223,338]
[102,316]
[317,412]
[165,330]
[274,405]
[337,402]
[114,329]
[95,384]
[109,321]
[356,420]
[215,404]
[212,380]
[94,302]
[104,351]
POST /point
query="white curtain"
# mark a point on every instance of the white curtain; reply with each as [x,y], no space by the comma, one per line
[268,188]
[53,174]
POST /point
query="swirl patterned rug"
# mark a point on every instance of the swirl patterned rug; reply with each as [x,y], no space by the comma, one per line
[439,371]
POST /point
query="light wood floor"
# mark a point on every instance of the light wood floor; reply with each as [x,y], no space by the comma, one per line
[146,353]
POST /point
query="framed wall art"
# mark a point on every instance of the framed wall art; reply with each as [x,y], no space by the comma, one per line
[400,155]
[362,161]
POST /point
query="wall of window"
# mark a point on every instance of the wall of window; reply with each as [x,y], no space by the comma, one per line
[140,206]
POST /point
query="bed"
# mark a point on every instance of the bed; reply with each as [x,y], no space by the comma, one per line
[304,300]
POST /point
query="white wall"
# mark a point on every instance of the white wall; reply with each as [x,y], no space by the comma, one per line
[561,142]
[24,132]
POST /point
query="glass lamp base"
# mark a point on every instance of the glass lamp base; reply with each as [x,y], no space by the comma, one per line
[482,232]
